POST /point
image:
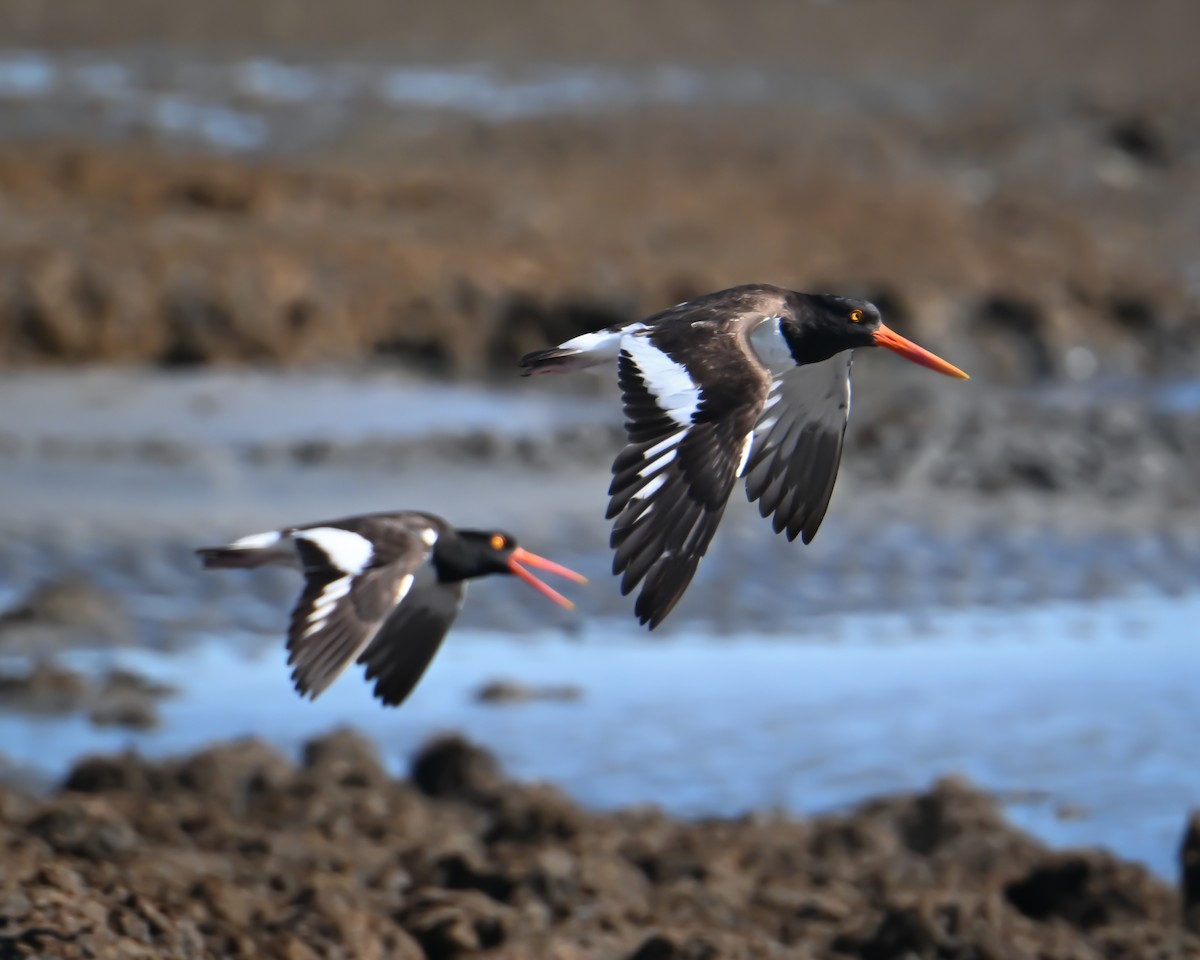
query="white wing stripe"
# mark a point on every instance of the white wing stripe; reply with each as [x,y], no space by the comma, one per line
[672,386]
[403,587]
[657,464]
[347,551]
[662,445]
[746,445]
[323,606]
[651,488]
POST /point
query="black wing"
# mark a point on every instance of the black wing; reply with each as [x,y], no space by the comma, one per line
[405,645]
[798,446]
[686,446]
[349,590]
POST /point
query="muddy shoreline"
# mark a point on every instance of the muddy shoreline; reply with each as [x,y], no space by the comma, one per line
[239,851]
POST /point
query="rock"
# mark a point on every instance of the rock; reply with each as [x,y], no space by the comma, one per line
[510,691]
[64,614]
[1090,890]
[45,689]
[1189,873]
[450,924]
[346,757]
[235,773]
[86,827]
[453,768]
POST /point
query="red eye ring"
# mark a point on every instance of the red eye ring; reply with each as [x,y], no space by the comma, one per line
[856,316]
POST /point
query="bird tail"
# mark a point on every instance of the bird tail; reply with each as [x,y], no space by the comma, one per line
[234,557]
[555,360]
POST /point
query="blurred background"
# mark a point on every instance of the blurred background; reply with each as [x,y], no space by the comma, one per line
[274,263]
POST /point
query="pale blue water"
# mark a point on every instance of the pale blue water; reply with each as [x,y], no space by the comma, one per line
[1087,707]
[253,104]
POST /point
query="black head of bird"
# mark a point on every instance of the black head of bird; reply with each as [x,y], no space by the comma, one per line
[479,553]
[825,325]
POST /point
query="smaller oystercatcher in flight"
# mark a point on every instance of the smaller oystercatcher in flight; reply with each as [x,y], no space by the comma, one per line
[753,382]
[381,589]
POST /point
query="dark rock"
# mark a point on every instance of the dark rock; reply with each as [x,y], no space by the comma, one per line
[346,757]
[44,689]
[63,614]
[453,768]
[1139,139]
[105,774]
[85,827]
[235,773]
[510,691]
[1189,873]
[656,947]
[1089,891]
[451,924]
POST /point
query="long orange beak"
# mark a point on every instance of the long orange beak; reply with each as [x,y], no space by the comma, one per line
[521,555]
[910,351]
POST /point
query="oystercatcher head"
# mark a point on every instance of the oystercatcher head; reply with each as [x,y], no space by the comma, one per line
[753,382]
[381,589]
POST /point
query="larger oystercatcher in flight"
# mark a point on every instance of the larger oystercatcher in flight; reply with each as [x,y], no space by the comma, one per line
[752,381]
[382,589]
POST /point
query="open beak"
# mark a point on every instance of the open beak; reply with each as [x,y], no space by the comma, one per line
[910,351]
[521,555]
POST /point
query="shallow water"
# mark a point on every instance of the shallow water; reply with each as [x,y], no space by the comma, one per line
[1052,663]
[255,104]
[1080,716]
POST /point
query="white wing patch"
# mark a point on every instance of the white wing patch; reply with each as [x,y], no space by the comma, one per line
[672,386]
[347,551]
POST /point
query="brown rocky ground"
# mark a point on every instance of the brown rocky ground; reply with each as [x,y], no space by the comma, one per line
[237,852]
[487,242]
[1046,199]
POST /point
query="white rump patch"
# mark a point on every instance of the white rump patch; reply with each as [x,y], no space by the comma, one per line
[346,551]
[672,386]
[257,541]
[603,344]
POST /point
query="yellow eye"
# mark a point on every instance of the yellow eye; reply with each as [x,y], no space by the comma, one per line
[499,542]
[856,316]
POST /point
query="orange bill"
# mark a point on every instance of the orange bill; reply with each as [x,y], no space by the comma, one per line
[521,555]
[910,351]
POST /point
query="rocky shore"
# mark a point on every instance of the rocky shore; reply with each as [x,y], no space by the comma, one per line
[237,851]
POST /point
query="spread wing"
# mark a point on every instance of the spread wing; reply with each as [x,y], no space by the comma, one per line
[405,645]
[798,445]
[687,445]
[352,581]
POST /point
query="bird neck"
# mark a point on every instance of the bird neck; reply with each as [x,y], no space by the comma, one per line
[810,343]
[455,559]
